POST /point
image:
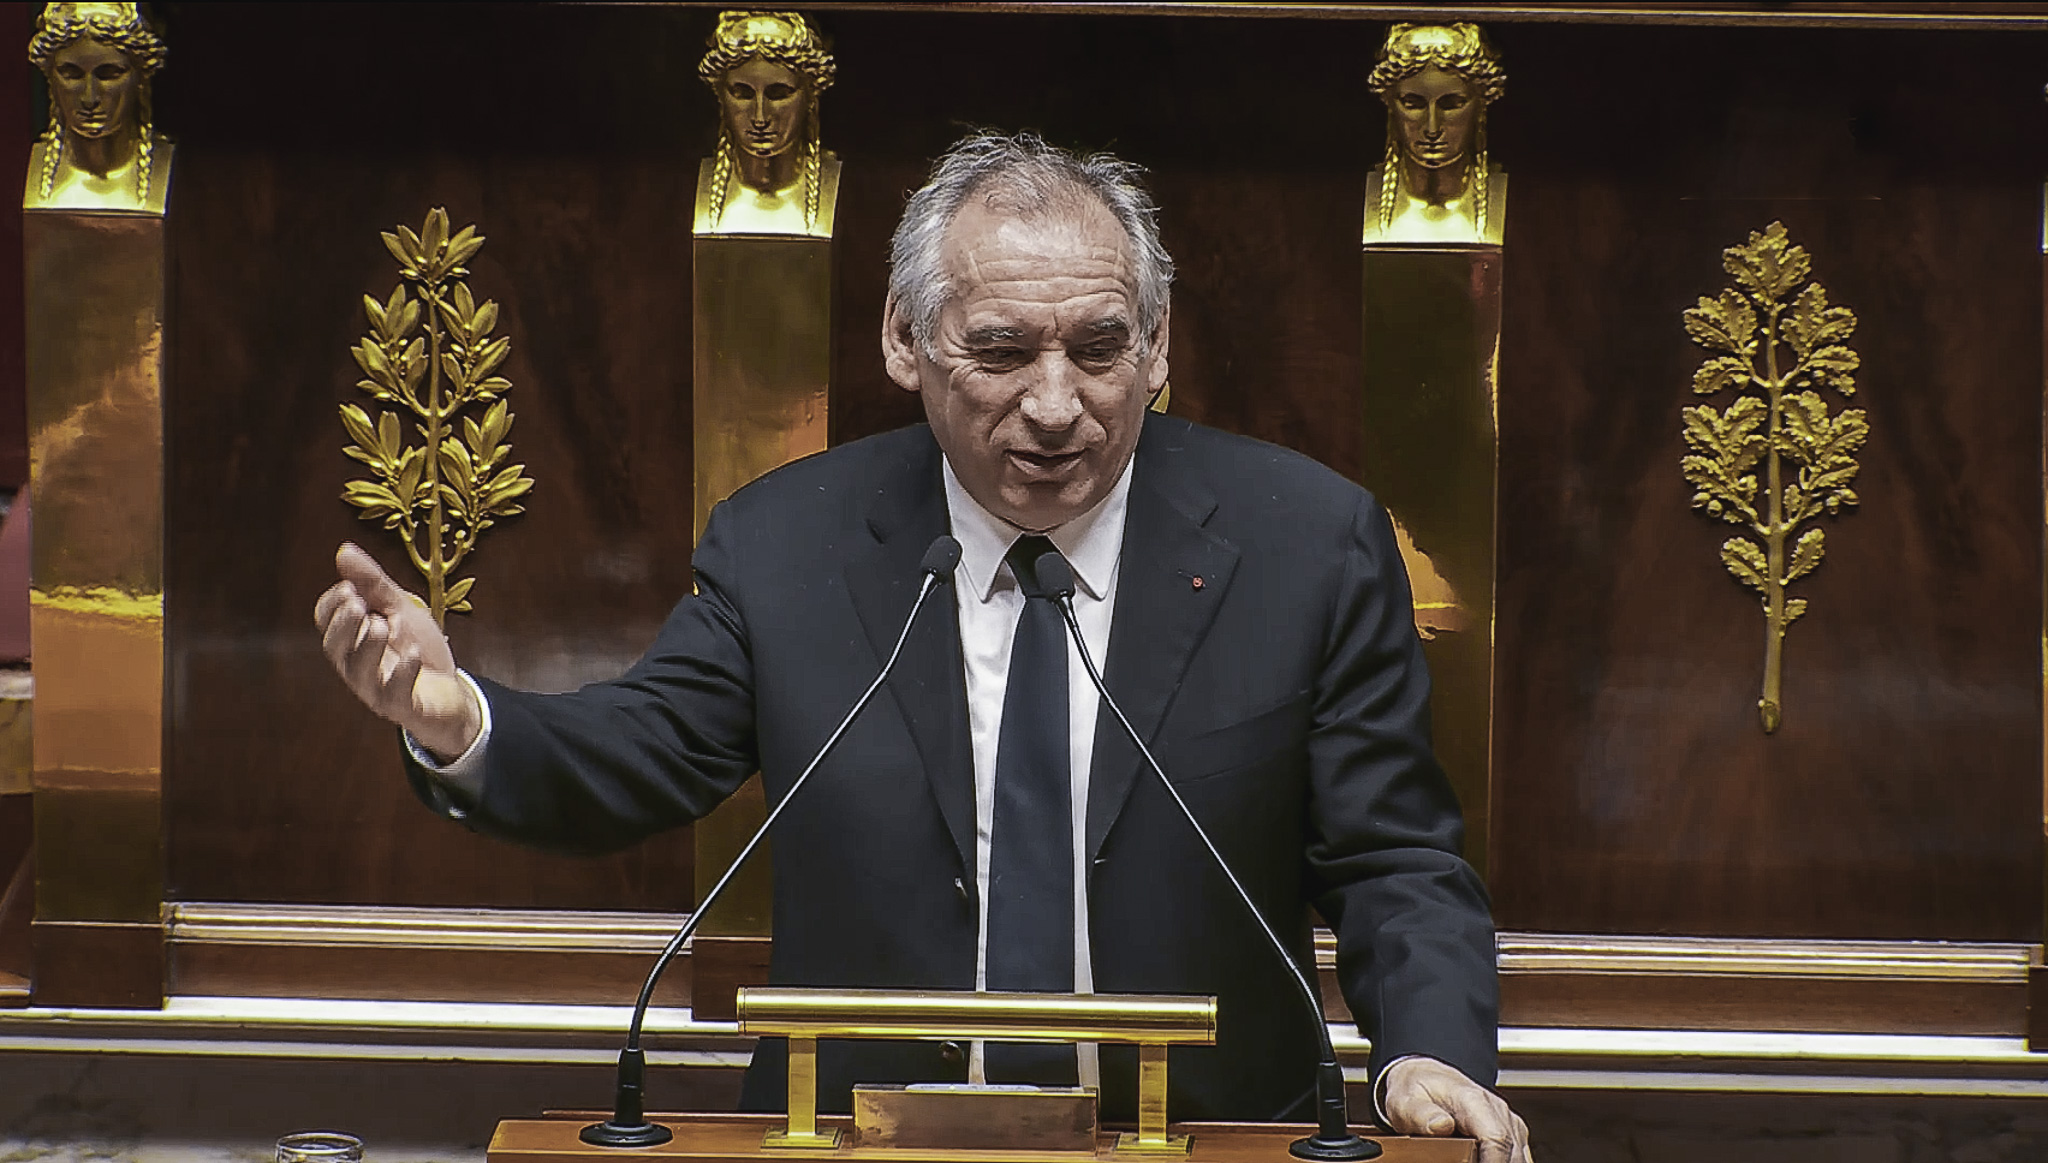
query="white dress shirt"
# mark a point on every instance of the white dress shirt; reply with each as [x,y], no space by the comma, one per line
[990,604]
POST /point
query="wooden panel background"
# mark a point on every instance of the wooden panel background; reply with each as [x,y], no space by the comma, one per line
[1633,789]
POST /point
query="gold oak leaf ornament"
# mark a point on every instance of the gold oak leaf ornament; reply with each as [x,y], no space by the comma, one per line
[1776,345]
[431,357]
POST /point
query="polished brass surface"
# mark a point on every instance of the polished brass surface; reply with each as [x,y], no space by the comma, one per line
[762,367]
[1431,354]
[1779,421]
[1436,184]
[1647,954]
[1024,1017]
[94,290]
[963,1116]
[1132,1143]
[1151,1137]
[441,494]
[769,174]
[802,1131]
[101,151]
[99,852]
[329,926]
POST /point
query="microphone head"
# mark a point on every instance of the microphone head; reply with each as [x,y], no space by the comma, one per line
[940,557]
[1055,576]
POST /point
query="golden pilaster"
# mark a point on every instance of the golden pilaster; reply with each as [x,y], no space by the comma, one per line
[93,248]
[761,321]
[94,291]
[1432,269]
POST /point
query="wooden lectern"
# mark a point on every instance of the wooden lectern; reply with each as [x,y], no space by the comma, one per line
[928,1124]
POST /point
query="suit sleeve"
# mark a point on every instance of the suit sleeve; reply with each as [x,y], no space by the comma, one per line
[1415,941]
[600,768]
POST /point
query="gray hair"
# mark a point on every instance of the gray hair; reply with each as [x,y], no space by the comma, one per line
[1022,173]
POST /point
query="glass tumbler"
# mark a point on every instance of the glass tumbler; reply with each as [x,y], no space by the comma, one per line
[319,1147]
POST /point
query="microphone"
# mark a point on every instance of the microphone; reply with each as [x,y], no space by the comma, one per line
[628,1126]
[1333,1139]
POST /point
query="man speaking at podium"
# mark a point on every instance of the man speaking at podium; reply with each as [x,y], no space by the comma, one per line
[985,823]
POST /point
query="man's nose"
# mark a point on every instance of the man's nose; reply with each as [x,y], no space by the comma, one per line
[761,109]
[1053,402]
[1434,124]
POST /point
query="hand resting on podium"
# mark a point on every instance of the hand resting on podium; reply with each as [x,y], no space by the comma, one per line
[386,647]
[1425,1097]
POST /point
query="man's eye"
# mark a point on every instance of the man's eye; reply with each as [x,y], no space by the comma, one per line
[1098,354]
[70,72]
[781,92]
[1454,101]
[111,72]
[1002,358]
[741,91]
[1411,101]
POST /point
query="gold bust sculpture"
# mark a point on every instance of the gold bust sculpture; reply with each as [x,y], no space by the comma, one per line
[101,151]
[1436,184]
[769,175]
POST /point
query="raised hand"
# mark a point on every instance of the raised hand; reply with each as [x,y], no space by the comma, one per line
[1427,1097]
[386,647]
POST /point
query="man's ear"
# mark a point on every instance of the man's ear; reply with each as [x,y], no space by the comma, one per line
[899,349]
[1157,378]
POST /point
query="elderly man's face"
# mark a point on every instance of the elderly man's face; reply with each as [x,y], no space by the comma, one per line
[1036,389]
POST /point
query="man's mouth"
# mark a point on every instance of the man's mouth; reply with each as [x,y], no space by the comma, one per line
[1044,463]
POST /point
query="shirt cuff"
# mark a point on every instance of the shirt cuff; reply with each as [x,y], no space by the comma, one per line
[1379,1091]
[465,773]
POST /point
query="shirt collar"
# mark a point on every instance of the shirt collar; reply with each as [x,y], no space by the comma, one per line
[1091,542]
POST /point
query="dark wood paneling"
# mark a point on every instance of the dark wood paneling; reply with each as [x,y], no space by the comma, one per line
[1634,790]
[109,964]
[381,973]
[719,967]
[1617,1001]
[572,140]
[547,135]
[17,896]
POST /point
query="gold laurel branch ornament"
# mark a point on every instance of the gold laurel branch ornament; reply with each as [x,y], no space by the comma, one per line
[1776,345]
[430,354]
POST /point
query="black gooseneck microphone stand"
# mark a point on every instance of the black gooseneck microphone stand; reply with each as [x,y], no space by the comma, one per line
[1333,1139]
[628,1126]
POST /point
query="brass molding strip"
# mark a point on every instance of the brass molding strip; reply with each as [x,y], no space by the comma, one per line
[1732,1083]
[1977,17]
[626,932]
[1558,953]
[416,928]
[1668,1060]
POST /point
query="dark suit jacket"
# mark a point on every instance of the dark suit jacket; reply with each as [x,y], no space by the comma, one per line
[1286,696]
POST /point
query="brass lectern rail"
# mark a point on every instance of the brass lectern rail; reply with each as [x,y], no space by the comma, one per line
[1152,1021]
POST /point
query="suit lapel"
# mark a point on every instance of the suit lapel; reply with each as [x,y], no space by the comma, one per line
[928,685]
[1161,613]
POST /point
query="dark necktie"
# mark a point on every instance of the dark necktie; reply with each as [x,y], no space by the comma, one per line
[1031,845]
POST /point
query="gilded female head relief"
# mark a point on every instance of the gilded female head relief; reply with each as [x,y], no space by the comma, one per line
[101,151]
[1436,183]
[769,175]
